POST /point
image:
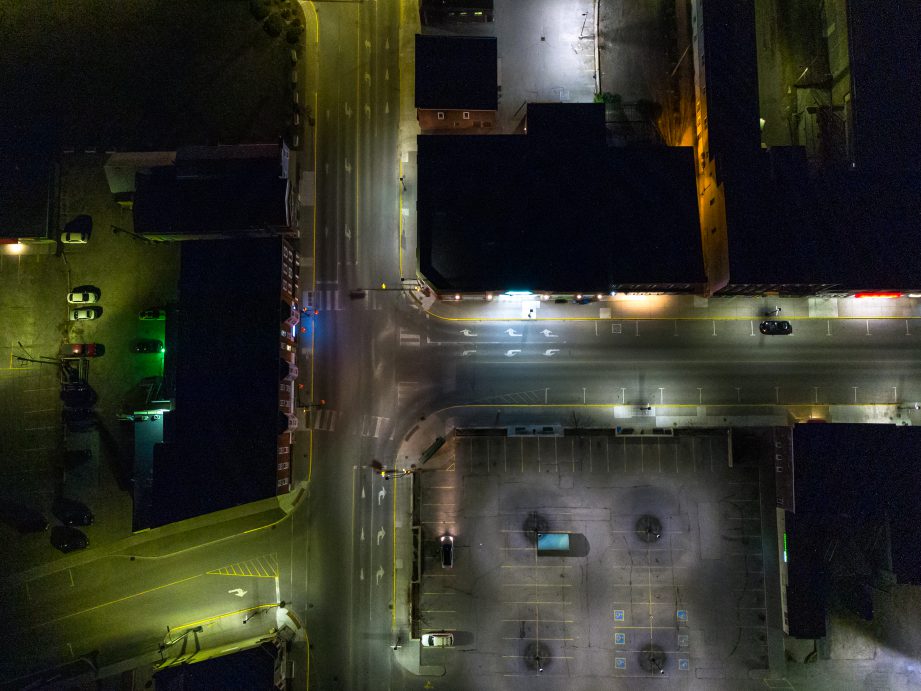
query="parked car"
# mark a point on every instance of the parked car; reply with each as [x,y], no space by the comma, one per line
[79,395]
[153,313]
[68,539]
[772,327]
[78,237]
[77,231]
[71,511]
[149,345]
[83,295]
[77,457]
[438,639]
[447,551]
[80,313]
[83,350]
[79,419]
[23,519]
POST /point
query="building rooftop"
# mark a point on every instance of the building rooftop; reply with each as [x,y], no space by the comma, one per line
[221,438]
[856,503]
[210,191]
[517,212]
[456,72]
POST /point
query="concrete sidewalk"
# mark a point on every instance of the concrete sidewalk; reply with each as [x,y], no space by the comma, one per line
[647,307]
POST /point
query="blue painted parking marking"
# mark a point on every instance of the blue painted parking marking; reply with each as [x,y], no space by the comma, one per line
[683,615]
[620,639]
[683,664]
[620,663]
[618,615]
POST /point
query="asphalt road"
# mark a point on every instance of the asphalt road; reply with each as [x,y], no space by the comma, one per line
[381,364]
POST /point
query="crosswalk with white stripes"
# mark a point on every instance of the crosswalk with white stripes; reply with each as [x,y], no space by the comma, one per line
[408,338]
[333,300]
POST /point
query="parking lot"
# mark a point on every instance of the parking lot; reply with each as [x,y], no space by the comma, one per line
[663,575]
[34,324]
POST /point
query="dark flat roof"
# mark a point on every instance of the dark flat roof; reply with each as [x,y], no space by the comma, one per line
[856,229]
[509,212]
[223,434]
[456,72]
[27,188]
[244,670]
[850,481]
[212,194]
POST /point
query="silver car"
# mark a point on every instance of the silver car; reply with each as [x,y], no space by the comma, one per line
[438,639]
[83,295]
[81,313]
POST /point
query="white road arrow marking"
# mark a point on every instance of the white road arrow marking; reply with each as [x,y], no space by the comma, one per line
[348,166]
[239,592]
[367,44]
[467,352]
[367,110]
[387,44]
[551,351]
[348,231]
[549,334]
[381,495]
[387,106]
[387,74]
[348,110]
[512,332]
[362,533]
[361,574]
[467,332]
[368,78]
[380,536]
[379,575]
[511,353]
[362,491]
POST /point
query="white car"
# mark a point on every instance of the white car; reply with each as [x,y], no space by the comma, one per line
[84,295]
[75,237]
[438,639]
[81,313]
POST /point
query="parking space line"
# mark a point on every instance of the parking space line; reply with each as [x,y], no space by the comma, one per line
[534,566]
[546,621]
[543,638]
[536,602]
[536,585]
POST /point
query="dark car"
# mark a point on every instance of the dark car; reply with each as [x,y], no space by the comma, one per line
[148,345]
[23,519]
[79,419]
[447,551]
[77,457]
[153,313]
[72,512]
[83,350]
[68,539]
[79,395]
[772,327]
